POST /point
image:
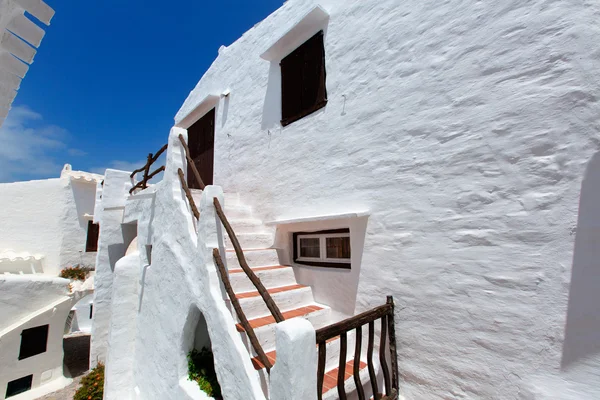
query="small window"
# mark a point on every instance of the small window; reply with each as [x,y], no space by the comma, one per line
[303,78]
[93,231]
[91,310]
[323,249]
[19,386]
[33,341]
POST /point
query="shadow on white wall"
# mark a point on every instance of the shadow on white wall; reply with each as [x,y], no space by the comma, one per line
[582,331]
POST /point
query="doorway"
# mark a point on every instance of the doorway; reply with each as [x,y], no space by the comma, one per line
[201,141]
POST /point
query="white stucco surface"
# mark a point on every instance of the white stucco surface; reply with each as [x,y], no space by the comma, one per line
[47,218]
[465,129]
[178,288]
[28,301]
[293,375]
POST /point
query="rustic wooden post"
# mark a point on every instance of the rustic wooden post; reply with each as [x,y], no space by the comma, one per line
[393,351]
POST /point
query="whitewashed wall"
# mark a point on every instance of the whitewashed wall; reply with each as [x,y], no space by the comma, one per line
[31,219]
[47,217]
[465,129]
[41,300]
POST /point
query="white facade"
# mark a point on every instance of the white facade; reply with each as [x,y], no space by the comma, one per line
[459,145]
[43,230]
[49,219]
[30,301]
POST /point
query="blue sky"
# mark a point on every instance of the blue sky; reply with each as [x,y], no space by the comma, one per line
[109,77]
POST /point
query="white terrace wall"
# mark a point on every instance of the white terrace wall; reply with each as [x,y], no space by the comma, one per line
[47,217]
[464,128]
[176,280]
[26,302]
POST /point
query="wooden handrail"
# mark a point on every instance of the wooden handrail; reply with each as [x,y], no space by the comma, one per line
[188,194]
[143,184]
[151,159]
[240,313]
[386,314]
[191,162]
[333,330]
[242,260]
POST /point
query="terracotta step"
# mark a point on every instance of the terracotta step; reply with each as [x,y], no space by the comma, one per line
[330,379]
[280,289]
[265,326]
[268,320]
[286,297]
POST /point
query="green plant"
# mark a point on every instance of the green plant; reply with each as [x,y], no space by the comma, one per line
[201,369]
[92,385]
[77,272]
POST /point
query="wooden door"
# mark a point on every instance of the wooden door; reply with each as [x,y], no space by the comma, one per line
[201,141]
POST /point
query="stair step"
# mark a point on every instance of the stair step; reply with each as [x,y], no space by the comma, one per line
[330,379]
[247,226]
[251,240]
[258,269]
[237,211]
[264,327]
[286,297]
[268,320]
[246,295]
[270,277]
[254,257]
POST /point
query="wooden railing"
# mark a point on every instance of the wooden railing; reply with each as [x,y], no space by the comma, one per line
[341,329]
[242,261]
[143,184]
[260,353]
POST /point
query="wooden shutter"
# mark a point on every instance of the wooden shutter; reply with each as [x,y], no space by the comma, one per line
[313,74]
[291,85]
[93,232]
[303,79]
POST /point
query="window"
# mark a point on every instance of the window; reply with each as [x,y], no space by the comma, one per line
[93,231]
[33,341]
[91,310]
[19,386]
[323,249]
[303,88]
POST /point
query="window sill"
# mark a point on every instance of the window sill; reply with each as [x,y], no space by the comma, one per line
[317,107]
[324,264]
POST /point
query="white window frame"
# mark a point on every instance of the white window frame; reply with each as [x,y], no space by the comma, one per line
[322,247]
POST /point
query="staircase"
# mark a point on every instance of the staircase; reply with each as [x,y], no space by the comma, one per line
[293,299]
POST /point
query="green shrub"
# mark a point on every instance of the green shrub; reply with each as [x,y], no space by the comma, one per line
[92,385]
[77,272]
[201,369]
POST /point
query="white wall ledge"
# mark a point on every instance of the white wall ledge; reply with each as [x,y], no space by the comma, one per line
[317,218]
[311,23]
[198,112]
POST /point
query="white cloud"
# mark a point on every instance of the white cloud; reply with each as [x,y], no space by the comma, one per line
[28,146]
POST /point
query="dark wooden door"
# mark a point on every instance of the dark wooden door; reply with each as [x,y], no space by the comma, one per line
[201,141]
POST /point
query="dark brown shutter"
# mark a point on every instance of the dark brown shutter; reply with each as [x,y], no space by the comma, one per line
[313,88]
[303,77]
[93,232]
[291,85]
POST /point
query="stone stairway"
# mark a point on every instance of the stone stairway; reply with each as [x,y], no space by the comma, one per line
[293,299]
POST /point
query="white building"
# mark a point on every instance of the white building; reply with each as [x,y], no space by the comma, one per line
[443,153]
[46,225]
